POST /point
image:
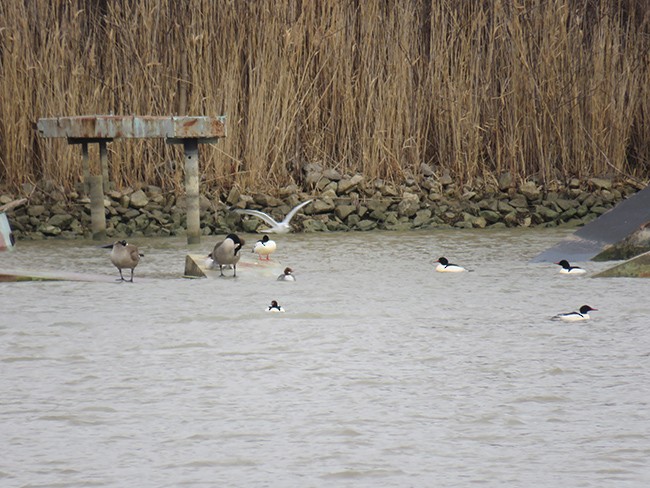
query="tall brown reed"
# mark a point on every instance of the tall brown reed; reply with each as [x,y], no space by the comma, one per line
[541,88]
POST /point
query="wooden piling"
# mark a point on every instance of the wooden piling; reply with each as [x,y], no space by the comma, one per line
[191,148]
[97,212]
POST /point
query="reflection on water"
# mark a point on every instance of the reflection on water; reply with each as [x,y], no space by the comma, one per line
[381,373]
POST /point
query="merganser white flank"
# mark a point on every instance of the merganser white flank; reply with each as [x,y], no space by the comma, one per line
[444,266]
[274,307]
[287,275]
[276,227]
[583,314]
[568,269]
[264,247]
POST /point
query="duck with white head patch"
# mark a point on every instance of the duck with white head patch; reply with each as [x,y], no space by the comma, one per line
[226,252]
[582,314]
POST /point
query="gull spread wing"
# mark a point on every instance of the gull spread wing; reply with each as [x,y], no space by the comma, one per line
[266,218]
[293,211]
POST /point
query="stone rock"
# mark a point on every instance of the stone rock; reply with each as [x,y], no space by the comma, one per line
[365,225]
[35,210]
[490,216]
[505,181]
[332,174]
[426,170]
[49,230]
[233,196]
[530,191]
[445,179]
[342,211]
[62,221]
[138,199]
[546,213]
[409,204]
[519,201]
[422,217]
[601,183]
[346,185]
[313,225]
[322,205]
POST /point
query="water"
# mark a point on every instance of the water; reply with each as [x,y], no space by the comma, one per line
[381,372]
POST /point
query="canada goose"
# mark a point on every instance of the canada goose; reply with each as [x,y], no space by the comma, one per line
[124,256]
[276,227]
[226,252]
[264,247]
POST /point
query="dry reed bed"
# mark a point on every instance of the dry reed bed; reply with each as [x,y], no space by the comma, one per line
[542,88]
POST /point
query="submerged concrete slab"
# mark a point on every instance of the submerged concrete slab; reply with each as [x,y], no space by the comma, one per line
[199,266]
[610,228]
[638,267]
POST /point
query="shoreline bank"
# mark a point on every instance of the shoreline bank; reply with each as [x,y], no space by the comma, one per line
[340,203]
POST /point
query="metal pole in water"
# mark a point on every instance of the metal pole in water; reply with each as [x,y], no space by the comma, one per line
[191,148]
[97,213]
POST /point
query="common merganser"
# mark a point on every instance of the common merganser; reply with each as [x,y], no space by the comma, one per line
[444,266]
[568,269]
[124,256]
[274,307]
[287,275]
[276,227]
[583,314]
[264,247]
[226,252]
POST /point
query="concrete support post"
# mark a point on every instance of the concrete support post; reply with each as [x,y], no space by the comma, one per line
[103,157]
[85,166]
[97,212]
[191,148]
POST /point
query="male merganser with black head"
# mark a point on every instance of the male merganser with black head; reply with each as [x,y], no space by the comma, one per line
[274,307]
[287,275]
[444,266]
[226,252]
[264,247]
[583,314]
[124,256]
[568,269]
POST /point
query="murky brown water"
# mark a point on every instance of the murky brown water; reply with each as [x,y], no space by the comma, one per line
[381,372]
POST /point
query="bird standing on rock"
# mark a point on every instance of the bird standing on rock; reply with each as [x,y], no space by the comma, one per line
[226,252]
[124,256]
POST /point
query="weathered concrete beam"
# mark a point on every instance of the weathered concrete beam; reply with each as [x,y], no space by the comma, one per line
[638,267]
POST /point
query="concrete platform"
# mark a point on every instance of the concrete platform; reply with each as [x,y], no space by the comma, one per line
[22,275]
[197,266]
[638,267]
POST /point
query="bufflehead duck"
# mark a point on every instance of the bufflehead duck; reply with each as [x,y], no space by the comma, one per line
[124,256]
[287,275]
[276,227]
[583,314]
[274,307]
[444,266]
[226,252]
[264,247]
[568,269]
